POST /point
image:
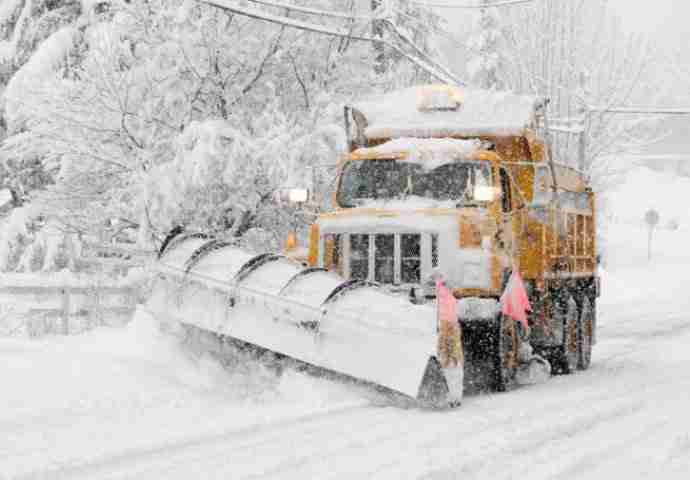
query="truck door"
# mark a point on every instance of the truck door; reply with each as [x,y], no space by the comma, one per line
[506,234]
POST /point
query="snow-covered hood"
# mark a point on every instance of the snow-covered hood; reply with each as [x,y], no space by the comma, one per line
[392,217]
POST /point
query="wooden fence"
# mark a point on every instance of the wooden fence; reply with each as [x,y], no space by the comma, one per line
[63,309]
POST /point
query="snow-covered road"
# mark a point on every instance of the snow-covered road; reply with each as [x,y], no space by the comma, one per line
[130,403]
[133,419]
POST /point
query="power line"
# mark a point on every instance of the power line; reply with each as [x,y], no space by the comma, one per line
[429,28]
[284,21]
[230,6]
[402,36]
[310,11]
[471,7]
[641,110]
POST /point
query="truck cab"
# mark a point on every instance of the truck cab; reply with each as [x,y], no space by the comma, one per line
[413,207]
[426,188]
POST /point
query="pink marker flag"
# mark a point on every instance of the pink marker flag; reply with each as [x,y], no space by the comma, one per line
[447,305]
[450,341]
[514,301]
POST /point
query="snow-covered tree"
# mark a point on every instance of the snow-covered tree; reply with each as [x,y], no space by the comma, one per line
[33,35]
[575,53]
[14,236]
[155,85]
[485,45]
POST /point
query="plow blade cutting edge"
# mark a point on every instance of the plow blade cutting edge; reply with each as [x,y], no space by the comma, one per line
[310,315]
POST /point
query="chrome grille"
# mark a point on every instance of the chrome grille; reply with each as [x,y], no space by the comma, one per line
[387,258]
[359,257]
[384,270]
[411,258]
[434,250]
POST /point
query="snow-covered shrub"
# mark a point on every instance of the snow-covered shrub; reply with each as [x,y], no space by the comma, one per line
[165,112]
[486,44]
[38,246]
[13,238]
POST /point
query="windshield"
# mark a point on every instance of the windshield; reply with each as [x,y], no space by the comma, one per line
[364,180]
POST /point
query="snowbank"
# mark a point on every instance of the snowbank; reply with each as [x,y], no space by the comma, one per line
[628,275]
[72,401]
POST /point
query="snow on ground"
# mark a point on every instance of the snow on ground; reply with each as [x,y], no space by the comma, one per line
[132,403]
[110,393]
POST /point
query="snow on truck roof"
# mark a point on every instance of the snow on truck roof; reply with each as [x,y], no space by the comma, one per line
[446,111]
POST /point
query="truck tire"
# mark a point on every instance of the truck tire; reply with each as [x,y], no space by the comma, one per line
[585,335]
[568,350]
[506,354]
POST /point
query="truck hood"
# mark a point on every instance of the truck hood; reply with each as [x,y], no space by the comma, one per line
[356,220]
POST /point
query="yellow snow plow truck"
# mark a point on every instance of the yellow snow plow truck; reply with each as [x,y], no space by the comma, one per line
[440,179]
[439,183]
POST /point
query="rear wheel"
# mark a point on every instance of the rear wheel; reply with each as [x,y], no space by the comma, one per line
[568,351]
[585,334]
[506,353]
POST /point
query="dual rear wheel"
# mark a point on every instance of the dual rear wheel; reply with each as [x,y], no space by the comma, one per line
[585,335]
[575,351]
[507,345]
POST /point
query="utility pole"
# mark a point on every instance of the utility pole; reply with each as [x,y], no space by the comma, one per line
[377,29]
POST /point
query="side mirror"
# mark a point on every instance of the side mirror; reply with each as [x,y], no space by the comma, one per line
[292,196]
[298,195]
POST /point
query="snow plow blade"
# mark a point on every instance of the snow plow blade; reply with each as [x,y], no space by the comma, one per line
[310,315]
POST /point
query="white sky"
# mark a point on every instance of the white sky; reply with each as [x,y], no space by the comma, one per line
[666,23]
[664,19]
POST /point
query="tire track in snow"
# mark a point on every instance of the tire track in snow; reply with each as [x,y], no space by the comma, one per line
[100,465]
[309,443]
[310,431]
[525,444]
[592,460]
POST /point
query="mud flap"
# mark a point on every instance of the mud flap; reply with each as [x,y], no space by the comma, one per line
[536,370]
[533,368]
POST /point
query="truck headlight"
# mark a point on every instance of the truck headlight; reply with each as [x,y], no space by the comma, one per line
[485,194]
[298,195]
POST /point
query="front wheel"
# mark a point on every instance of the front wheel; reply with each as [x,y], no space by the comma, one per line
[506,353]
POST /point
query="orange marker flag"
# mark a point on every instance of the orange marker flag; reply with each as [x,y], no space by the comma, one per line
[449,339]
[514,301]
